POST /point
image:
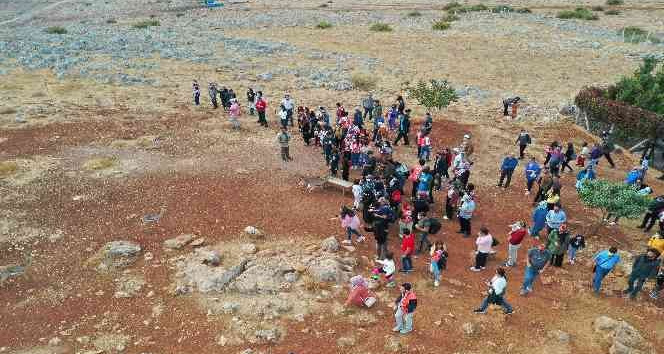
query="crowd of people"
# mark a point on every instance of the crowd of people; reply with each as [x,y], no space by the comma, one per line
[395,202]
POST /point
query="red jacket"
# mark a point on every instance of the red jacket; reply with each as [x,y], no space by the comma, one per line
[516,236]
[408,302]
[408,244]
[261,105]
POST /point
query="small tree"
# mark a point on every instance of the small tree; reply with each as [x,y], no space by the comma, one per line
[616,198]
[434,94]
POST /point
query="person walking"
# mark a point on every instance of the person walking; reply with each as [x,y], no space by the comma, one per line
[406,304]
[261,107]
[283,138]
[466,209]
[538,260]
[654,208]
[234,113]
[368,105]
[569,156]
[607,148]
[603,264]
[539,219]
[514,239]
[197,92]
[545,181]
[407,250]
[496,294]
[557,243]
[508,102]
[350,222]
[441,166]
[422,227]
[212,90]
[438,257]
[289,105]
[533,171]
[404,128]
[507,169]
[484,242]
[555,218]
[251,101]
[451,200]
[645,266]
[576,243]
[523,140]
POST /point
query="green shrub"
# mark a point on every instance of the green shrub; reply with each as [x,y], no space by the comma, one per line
[612,12]
[363,81]
[111,21]
[578,13]
[146,24]
[524,10]
[450,18]
[635,34]
[322,5]
[451,6]
[597,8]
[434,94]
[502,8]
[616,198]
[441,25]
[644,88]
[56,30]
[323,25]
[380,27]
[614,2]
[414,13]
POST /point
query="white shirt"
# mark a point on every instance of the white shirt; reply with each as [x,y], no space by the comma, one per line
[288,103]
[282,115]
[357,191]
[498,284]
[388,266]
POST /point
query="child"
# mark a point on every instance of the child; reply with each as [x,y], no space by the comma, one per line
[438,254]
[334,162]
[576,243]
[351,223]
[388,268]
[406,219]
[407,249]
[581,158]
[451,201]
[357,194]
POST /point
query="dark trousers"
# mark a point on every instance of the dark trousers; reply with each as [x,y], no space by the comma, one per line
[406,263]
[327,150]
[289,116]
[522,149]
[557,260]
[368,112]
[334,167]
[480,260]
[566,164]
[505,107]
[609,159]
[648,221]
[464,177]
[261,118]
[413,193]
[449,208]
[529,184]
[215,104]
[464,226]
[285,155]
[503,175]
[403,135]
[197,99]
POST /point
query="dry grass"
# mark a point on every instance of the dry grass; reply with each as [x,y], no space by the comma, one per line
[100,163]
[363,81]
[441,25]
[380,27]
[7,110]
[8,168]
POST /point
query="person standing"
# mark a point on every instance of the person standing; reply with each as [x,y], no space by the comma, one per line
[514,240]
[523,140]
[428,122]
[438,257]
[234,113]
[538,260]
[466,209]
[357,118]
[381,218]
[539,219]
[422,227]
[483,241]
[607,148]
[407,250]
[569,156]
[212,90]
[283,138]
[545,181]
[555,218]
[533,171]
[404,128]
[651,215]
[604,262]
[557,243]
[368,105]
[251,101]
[289,105]
[576,243]
[406,304]
[401,104]
[645,266]
[425,152]
[508,102]
[261,107]
[507,169]
[451,201]
[496,294]
[197,92]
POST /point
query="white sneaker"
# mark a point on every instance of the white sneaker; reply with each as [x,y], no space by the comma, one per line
[436,283]
[346,242]
[360,239]
[473,269]
[396,329]
[445,217]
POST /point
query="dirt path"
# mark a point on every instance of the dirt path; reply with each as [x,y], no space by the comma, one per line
[26,16]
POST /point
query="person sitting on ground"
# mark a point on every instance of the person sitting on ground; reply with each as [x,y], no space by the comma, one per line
[359,293]
[388,267]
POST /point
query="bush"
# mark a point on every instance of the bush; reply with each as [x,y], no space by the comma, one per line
[363,81]
[502,8]
[56,30]
[380,27]
[597,8]
[451,6]
[524,10]
[434,94]
[614,2]
[579,13]
[146,24]
[323,25]
[414,14]
[617,198]
[612,12]
[644,88]
[634,34]
[456,7]
[441,25]
[111,21]
[100,163]
[450,18]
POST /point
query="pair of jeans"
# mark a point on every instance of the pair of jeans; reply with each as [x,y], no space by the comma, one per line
[449,208]
[354,159]
[289,116]
[406,262]
[498,300]
[425,152]
[609,159]
[505,174]
[368,112]
[480,260]
[512,253]
[350,231]
[423,243]
[197,98]
[600,273]
[327,150]
[529,184]
[404,135]
[529,276]
[435,270]
[404,321]
[465,226]
[571,253]
[557,260]
[635,284]
[285,155]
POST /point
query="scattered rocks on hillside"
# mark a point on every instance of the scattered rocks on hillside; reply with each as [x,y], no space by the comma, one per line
[252,230]
[560,336]
[128,285]
[622,337]
[248,248]
[116,255]
[178,242]
[330,244]
[393,344]
[346,342]
[469,329]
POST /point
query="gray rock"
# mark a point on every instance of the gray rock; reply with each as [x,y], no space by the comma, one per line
[248,248]
[469,329]
[330,244]
[393,344]
[178,242]
[230,307]
[346,342]
[291,277]
[116,255]
[559,336]
[265,76]
[272,335]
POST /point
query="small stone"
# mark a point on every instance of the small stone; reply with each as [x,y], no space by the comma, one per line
[178,242]
[54,342]
[291,277]
[559,335]
[248,248]
[393,344]
[330,244]
[198,242]
[346,341]
[469,328]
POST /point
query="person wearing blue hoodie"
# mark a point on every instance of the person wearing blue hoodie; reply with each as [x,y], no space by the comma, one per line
[587,173]
[539,219]
[507,169]
[533,171]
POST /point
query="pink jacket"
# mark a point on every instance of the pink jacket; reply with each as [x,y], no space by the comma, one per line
[351,221]
[484,243]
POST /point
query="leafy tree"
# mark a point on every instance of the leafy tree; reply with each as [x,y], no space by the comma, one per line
[434,94]
[616,198]
[644,89]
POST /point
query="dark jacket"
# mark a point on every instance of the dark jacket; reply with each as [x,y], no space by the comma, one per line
[404,124]
[645,267]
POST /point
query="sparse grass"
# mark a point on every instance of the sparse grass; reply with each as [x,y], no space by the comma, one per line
[597,8]
[56,30]
[363,81]
[612,12]
[614,2]
[441,25]
[635,34]
[414,14]
[451,6]
[580,13]
[8,168]
[502,8]
[323,25]
[471,8]
[146,24]
[100,163]
[111,21]
[450,18]
[524,10]
[380,27]
[323,6]
[7,110]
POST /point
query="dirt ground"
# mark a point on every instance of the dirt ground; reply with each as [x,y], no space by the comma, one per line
[95,158]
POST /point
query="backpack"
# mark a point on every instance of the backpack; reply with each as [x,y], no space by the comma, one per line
[442,261]
[435,226]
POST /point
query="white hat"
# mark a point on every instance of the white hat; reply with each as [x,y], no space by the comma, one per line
[466,136]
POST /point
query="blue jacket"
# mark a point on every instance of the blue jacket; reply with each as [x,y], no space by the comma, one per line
[606,260]
[632,176]
[539,217]
[533,171]
[509,163]
[357,119]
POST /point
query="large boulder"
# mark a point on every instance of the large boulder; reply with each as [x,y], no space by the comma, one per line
[622,337]
[116,255]
[329,270]
[178,242]
[330,244]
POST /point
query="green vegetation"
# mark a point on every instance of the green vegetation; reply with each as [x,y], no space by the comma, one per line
[597,8]
[56,30]
[524,10]
[450,18]
[441,25]
[8,168]
[580,13]
[634,34]
[111,21]
[146,24]
[434,94]
[612,12]
[363,81]
[614,2]
[323,25]
[451,6]
[617,198]
[414,14]
[455,7]
[380,27]
[644,88]
[502,8]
